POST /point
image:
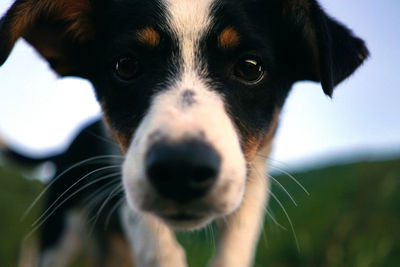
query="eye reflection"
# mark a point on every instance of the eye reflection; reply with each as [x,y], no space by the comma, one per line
[249,70]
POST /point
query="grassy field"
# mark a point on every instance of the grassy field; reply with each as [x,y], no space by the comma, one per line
[351,218]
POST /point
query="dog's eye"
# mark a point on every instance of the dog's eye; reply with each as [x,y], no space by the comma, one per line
[249,70]
[127,68]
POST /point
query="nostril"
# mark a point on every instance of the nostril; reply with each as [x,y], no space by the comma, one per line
[182,170]
[202,175]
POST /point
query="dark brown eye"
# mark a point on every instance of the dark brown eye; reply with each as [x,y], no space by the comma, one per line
[249,70]
[127,68]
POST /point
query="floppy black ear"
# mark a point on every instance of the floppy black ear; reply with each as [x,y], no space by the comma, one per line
[334,52]
[58,29]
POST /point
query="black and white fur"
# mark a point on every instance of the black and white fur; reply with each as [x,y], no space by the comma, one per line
[201,94]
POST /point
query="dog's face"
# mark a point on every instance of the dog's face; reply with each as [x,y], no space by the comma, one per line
[191,90]
[192,85]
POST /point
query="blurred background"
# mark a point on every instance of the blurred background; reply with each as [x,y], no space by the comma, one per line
[346,151]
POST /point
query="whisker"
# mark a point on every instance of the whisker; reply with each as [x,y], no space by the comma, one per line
[112,210]
[30,207]
[38,224]
[283,164]
[212,236]
[283,171]
[117,189]
[93,204]
[268,212]
[96,197]
[225,220]
[293,179]
[272,217]
[263,232]
[288,218]
[277,182]
[99,191]
[102,138]
[283,188]
[207,233]
[77,191]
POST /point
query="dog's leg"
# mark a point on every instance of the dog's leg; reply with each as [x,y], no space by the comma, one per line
[240,231]
[153,243]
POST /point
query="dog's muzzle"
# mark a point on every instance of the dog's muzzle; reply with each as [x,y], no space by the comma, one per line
[181,167]
[182,171]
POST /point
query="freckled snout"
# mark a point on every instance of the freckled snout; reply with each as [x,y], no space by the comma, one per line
[182,171]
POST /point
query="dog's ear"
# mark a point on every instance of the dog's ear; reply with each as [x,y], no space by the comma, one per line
[325,50]
[58,29]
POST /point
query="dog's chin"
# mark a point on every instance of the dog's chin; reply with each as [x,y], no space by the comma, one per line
[178,220]
[186,221]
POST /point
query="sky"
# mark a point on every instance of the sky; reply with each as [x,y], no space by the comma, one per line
[40,113]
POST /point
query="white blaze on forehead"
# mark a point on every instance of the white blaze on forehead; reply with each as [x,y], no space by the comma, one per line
[189,20]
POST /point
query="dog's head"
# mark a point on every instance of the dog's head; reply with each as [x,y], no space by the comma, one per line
[191,90]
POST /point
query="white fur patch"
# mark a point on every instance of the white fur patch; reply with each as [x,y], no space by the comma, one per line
[188,21]
[153,243]
[238,200]
[208,116]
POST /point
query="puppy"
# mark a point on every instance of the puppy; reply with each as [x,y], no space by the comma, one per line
[191,91]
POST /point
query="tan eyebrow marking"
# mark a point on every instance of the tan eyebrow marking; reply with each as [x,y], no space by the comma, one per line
[148,36]
[228,38]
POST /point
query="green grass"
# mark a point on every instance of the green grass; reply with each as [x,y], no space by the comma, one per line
[16,194]
[351,218]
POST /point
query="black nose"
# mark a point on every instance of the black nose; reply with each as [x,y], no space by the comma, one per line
[182,171]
